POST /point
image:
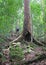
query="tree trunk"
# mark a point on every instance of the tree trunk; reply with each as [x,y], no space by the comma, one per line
[44,17]
[27,28]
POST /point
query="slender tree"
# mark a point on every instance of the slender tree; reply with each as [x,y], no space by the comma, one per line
[27,28]
[44,18]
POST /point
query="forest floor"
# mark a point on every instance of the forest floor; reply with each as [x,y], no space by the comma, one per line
[33,55]
[36,57]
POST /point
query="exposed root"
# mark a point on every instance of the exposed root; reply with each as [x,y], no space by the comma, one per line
[18,39]
[38,42]
[21,37]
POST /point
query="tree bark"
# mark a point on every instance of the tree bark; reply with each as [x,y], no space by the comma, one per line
[27,28]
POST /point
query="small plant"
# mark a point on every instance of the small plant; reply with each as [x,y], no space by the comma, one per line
[0,55]
[16,52]
[0,58]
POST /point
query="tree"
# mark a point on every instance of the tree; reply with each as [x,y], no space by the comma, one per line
[27,28]
[43,3]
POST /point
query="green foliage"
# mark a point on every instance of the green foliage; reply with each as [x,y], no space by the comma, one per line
[35,8]
[8,13]
[0,55]
[37,18]
[16,52]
